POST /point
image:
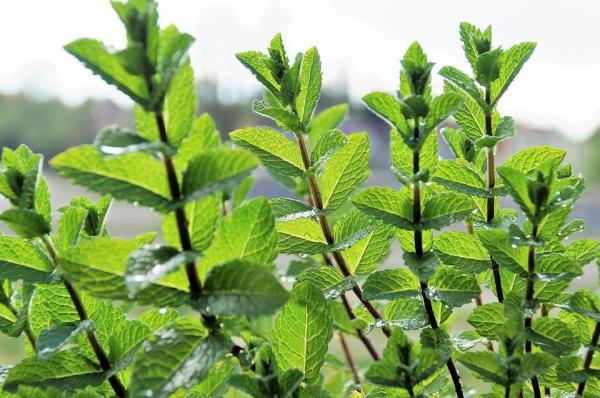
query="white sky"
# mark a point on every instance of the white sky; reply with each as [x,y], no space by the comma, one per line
[360,44]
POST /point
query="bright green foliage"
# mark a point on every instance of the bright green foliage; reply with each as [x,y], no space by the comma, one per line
[104,316]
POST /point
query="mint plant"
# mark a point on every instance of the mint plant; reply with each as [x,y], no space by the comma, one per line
[208,309]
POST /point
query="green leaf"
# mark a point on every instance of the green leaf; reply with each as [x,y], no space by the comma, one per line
[115,140]
[241,289]
[67,370]
[408,314]
[511,61]
[218,169]
[390,206]
[259,65]
[518,188]
[177,356]
[487,319]
[461,250]
[487,67]
[202,215]
[532,157]
[583,251]
[110,67]
[471,119]
[203,135]
[557,267]
[180,105]
[553,336]
[442,107]
[330,118]
[344,171]
[464,83]
[51,341]
[157,318]
[284,118]
[404,365]
[446,208]
[402,157]
[328,279]
[391,284]
[487,366]
[328,143]
[134,177]
[301,236]
[248,234]
[276,152]
[25,223]
[461,176]
[98,266]
[151,263]
[309,85]
[452,287]
[498,244]
[286,209]
[302,331]
[585,303]
[22,260]
[387,107]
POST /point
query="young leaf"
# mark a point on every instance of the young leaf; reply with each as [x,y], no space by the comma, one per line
[441,107]
[259,65]
[388,108]
[344,171]
[284,118]
[110,67]
[532,157]
[302,331]
[330,118]
[241,289]
[177,356]
[26,223]
[464,83]
[135,177]
[203,135]
[511,61]
[309,85]
[276,152]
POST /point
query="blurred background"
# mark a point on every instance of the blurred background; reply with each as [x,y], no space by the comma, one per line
[50,102]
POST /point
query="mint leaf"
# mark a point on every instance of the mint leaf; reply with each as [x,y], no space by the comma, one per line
[391,284]
[286,209]
[115,140]
[218,169]
[328,279]
[241,289]
[390,206]
[276,152]
[461,176]
[446,208]
[441,108]
[487,366]
[344,171]
[134,177]
[50,341]
[22,260]
[487,319]
[309,85]
[511,256]
[402,156]
[284,118]
[511,61]
[461,250]
[452,287]
[327,144]
[26,223]
[260,66]
[328,119]
[388,108]
[202,136]
[248,234]
[302,331]
[461,81]
[532,157]
[177,356]
[301,236]
[553,336]
[94,55]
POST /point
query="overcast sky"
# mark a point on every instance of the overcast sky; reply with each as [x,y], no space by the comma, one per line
[360,44]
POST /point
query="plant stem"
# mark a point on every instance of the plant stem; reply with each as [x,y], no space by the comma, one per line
[184,234]
[507,391]
[491,177]
[418,240]
[27,328]
[349,358]
[589,356]
[328,233]
[348,308]
[529,291]
[545,312]
[114,381]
